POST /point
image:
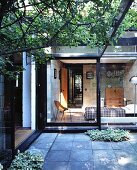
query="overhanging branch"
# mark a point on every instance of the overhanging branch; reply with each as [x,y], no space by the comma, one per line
[123,9]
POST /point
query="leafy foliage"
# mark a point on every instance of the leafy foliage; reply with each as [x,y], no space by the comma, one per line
[27,161]
[58,22]
[115,135]
[8,69]
[39,23]
[32,25]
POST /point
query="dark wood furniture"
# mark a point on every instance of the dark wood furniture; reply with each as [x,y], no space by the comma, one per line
[114,97]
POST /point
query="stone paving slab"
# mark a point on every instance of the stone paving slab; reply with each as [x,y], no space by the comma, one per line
[80,165]
[78,152]
[48,135]
[82,145]
[106,165]
[55,166]
[58,155]
[103,155]
[125,145]
[101,145]
[62,146]
[134,145]
[81,155]
[65,137]
[81,137]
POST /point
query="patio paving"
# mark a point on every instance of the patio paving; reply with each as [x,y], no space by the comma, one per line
[78,152]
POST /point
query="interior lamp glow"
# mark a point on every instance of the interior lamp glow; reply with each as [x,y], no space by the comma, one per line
[133,80]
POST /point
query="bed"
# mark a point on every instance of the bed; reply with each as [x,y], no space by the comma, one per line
[91,112]
[128,110]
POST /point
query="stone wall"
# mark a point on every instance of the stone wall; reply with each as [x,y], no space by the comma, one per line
[89,86]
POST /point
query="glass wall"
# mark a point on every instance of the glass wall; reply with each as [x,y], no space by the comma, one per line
[71,91]
[118,91]
[24,99]
[5,121]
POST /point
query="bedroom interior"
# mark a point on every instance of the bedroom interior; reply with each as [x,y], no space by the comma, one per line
[118,93]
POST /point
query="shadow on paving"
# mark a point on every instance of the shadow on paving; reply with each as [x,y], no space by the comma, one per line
[78,152]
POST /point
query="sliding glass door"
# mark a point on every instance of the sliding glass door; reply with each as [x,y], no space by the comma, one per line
[6,123]
[118,92]
[73,85]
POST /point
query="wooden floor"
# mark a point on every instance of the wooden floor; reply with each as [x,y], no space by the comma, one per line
[21,134]
[72,116]
[77,116]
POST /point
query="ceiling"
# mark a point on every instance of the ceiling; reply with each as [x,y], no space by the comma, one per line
[103,60]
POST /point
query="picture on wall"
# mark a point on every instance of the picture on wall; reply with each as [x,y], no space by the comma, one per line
[90,75]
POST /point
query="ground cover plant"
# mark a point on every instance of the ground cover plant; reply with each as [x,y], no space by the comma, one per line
[109,134]
[27,161]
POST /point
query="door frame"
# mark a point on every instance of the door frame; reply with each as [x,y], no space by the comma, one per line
[41,97]
[69,66]
[98,123]
[64,87]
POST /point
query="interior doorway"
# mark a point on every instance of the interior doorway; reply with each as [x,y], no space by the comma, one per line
[75,86]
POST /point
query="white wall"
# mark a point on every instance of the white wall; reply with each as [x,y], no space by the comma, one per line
[29,93]
[129,90]
[49,98]
[26,105]
[53,88]
[33,96]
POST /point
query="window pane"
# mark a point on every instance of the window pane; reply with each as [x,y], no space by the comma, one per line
[118,92]
[71,94]
[5,121]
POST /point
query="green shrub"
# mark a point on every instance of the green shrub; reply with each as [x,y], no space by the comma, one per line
[108,135]
[27,161]
[1,166]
